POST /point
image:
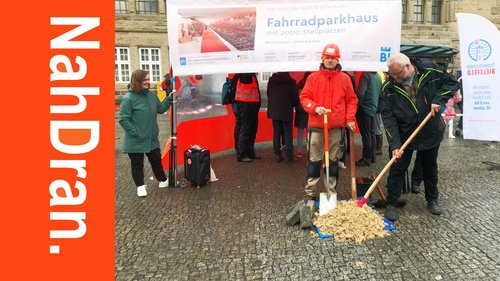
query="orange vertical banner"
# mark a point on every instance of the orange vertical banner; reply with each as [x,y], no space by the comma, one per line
[58,202]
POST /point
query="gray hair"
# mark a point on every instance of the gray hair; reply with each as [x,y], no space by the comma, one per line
[399,58]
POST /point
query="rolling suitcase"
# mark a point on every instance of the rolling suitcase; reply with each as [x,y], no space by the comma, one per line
[197,165]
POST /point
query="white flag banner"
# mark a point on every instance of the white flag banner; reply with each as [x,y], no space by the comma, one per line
[480,53]
[216,36]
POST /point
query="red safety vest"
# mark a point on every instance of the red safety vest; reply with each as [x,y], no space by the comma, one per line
[247,92]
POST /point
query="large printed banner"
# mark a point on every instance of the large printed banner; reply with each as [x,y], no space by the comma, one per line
[208,36]
[480,54]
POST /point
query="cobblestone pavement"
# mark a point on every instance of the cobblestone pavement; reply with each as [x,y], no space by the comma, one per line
[234,229]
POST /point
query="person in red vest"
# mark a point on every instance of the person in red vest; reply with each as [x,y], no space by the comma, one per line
[248,99]
[327,89]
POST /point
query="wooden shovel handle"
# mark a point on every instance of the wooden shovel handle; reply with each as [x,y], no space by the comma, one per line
[327,153]
[393,159]
[352,159]
[325,132]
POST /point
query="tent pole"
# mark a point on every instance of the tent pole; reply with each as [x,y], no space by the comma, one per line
[172,170]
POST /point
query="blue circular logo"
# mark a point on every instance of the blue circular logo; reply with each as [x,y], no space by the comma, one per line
[479,50]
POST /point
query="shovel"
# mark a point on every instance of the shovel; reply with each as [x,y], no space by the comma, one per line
[393,159]
[327,201]
[354,193]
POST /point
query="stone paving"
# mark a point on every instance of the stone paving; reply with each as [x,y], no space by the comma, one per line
[235,229]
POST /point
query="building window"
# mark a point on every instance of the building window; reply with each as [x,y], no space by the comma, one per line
[437,5]
[149,7]
[120,6]
[418,14]
[403,10]
[149,60]
[122,65]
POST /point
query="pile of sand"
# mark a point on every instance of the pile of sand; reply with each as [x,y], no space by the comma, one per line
[348,222]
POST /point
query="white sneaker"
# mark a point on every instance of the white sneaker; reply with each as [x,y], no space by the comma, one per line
[141,191]
[163,184]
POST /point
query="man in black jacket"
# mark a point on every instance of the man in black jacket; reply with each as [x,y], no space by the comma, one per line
[414,89]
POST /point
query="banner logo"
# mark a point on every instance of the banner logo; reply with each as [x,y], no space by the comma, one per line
[385,53]
[479,50]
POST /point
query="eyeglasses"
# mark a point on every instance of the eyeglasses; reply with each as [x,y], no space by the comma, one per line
[398,73]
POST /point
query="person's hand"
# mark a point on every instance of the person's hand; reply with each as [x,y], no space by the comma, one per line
[435,108]
[170,97]
[321,110]
[351,125]
[397,153]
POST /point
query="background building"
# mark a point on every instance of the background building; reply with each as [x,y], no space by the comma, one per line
[428,29]
[140,41]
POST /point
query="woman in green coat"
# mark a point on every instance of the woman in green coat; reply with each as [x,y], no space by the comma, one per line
[138,112]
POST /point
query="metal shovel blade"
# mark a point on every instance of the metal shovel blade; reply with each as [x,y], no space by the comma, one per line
[327,203]
[328,200]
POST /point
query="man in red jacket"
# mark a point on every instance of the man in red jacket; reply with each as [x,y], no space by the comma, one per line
[327,91]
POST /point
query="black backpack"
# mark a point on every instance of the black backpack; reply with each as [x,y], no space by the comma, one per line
[227,93]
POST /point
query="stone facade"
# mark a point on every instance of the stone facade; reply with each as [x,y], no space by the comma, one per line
[135,31]
[446,33]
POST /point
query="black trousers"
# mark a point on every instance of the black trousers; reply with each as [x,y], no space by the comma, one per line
[236,133]
[367,130]
[137,165]
[396,178]
[417,173]
[248,119]
[460,121]
[283,130]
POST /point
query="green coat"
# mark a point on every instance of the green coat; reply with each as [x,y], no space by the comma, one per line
[138,112]
[368,93]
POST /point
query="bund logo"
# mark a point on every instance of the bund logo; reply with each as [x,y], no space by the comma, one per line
[479,50]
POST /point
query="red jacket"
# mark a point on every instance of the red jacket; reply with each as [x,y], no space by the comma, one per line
[332,90]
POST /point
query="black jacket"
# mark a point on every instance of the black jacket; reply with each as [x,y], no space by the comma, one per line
[402,116]
[282,95]
[301,116]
